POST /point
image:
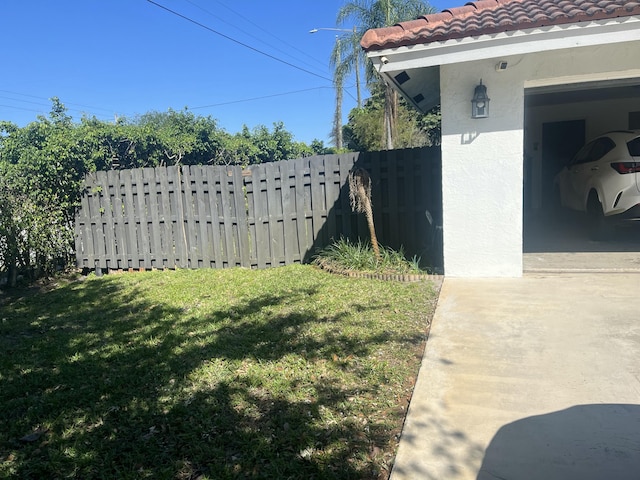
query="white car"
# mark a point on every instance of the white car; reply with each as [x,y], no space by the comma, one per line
[603,180]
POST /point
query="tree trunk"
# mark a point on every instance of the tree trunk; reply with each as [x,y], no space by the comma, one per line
[368,212]
[337,118]
[360,199]
[390,115]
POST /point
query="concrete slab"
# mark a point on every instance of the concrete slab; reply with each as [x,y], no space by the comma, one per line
[570,233]
[529,378]
[581,262]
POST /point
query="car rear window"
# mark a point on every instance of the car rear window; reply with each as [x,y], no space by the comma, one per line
[594,150]
[634,147]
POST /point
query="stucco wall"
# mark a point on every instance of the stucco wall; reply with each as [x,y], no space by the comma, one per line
[482,173]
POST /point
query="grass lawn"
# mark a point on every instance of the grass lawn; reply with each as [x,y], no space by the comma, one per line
[287,373]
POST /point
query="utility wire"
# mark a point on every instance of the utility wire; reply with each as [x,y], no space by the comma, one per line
[292,47]
[25,101]
[21,108]
[43,111]
[272,95]
[257,98]
[49,99]
[48,105]
[184,17]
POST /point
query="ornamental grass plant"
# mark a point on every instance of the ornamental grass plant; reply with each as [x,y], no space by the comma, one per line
[344,255]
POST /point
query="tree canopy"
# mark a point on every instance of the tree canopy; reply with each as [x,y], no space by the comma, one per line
[41,168]
[182,138]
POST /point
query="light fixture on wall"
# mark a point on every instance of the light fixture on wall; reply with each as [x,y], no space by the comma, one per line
[480,102]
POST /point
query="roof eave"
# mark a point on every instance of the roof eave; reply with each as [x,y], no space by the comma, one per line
[504,44]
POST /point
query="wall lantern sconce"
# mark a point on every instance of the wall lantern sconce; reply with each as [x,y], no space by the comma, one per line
[480,102]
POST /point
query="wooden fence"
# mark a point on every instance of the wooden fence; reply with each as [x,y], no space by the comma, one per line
[267,215]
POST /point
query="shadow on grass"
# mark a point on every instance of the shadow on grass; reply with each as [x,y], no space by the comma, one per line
[97,382]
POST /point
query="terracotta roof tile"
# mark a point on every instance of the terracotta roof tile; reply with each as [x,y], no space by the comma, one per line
[493,16]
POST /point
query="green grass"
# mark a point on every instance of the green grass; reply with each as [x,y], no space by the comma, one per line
[345,255]
[280,373]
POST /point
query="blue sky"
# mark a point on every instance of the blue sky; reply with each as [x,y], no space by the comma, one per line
[113,58]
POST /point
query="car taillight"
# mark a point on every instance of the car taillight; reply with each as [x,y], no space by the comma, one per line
[626,167]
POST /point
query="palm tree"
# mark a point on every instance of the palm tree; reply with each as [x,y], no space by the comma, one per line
[369,14]
[337,118]
[344,60]
[348,60]
[338,83]
[360,199]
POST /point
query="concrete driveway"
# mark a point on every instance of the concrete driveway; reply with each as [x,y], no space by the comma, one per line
[529,378]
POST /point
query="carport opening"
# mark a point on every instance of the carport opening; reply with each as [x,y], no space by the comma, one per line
[559,120]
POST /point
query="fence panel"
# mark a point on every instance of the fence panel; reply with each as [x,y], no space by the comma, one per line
[265,216]
[215,234]
[302,208]
[167,256]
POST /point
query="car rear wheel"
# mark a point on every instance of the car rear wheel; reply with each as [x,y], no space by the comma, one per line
[599,226]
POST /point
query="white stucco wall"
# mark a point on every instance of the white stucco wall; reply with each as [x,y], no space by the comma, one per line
[482,173]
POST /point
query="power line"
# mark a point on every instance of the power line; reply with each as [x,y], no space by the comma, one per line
[258,98]
[49,99]
[247,20]
[21,108]
[43,111]
[264,97]
[184,17]
[47,105]
[25,101]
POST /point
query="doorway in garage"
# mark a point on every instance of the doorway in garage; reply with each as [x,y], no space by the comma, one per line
[560,141]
